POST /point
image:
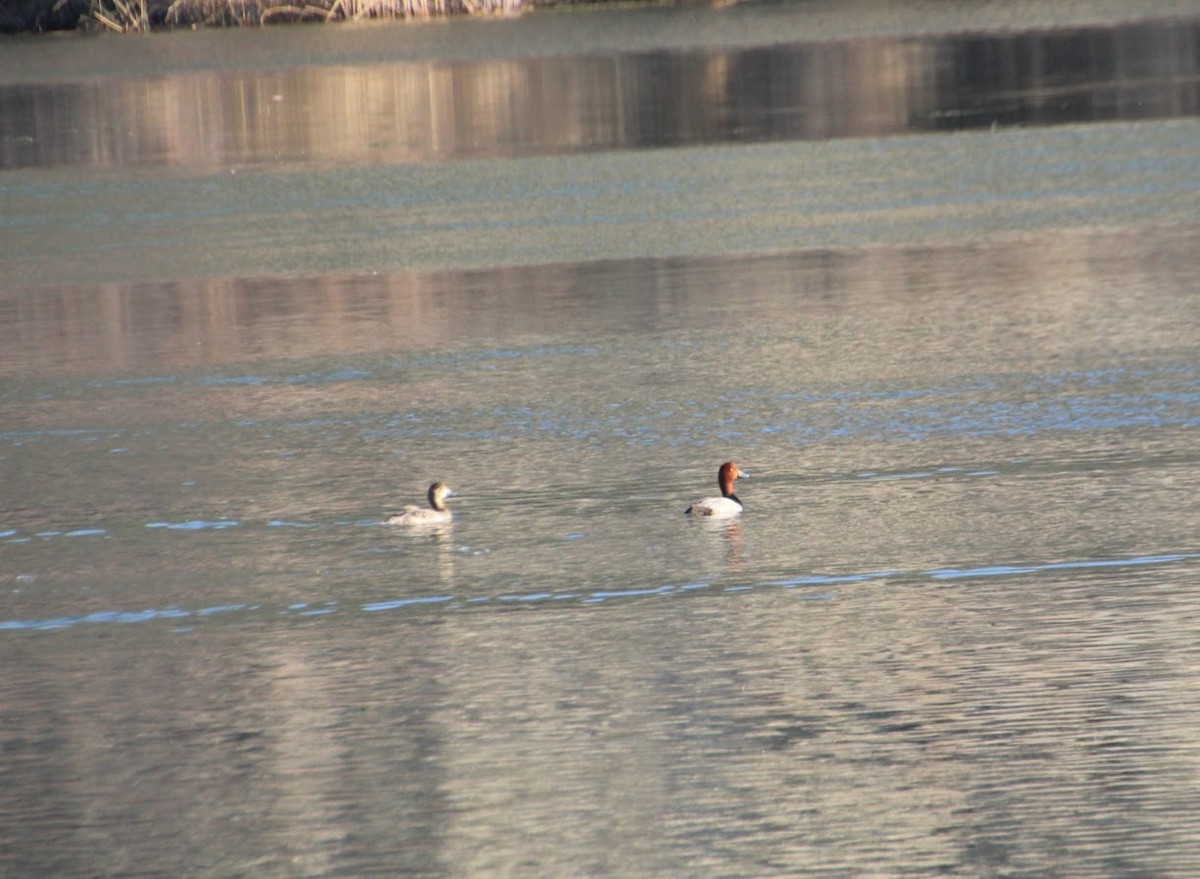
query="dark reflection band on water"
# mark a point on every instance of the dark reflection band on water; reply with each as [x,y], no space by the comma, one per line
[417,112]
[216,322]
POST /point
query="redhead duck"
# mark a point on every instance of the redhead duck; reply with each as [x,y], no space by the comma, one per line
[725,505]
[436,514]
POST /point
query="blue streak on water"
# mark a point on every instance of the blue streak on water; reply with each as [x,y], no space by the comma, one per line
[1008,570]
[303,609]
[220,608]
[115,616]
[819,580]
[18,437]
[605,595]
[194,525]
[1049,403]
[341,375]
[146,380]
[406,602]
[351,373]
[1007,405]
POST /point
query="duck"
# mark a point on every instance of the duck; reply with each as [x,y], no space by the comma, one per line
[728,504]
[435,514]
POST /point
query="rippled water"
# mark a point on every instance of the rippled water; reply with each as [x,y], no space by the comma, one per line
[954,633]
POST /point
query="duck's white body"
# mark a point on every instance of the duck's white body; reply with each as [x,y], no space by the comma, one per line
[414,515]
[728,504]
[435,514]
[715,507]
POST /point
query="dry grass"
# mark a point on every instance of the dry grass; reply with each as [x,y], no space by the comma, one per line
[122,16]
[131,16]
[360,9]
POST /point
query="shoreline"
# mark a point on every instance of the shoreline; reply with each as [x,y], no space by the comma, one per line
[33,18]
[141,16]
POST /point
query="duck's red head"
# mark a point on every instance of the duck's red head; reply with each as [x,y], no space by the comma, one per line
[727,473]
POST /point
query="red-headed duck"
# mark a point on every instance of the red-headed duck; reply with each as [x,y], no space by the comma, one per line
[727,504]
[435,514]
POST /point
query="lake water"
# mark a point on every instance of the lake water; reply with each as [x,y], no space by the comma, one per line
[929,275]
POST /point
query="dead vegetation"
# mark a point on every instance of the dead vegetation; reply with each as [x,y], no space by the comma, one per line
[134,16]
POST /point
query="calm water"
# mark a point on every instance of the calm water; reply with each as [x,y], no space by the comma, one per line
[931,281]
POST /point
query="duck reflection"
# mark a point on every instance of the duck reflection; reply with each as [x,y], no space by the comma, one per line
[729,532]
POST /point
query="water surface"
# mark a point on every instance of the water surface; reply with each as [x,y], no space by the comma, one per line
[954,632]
